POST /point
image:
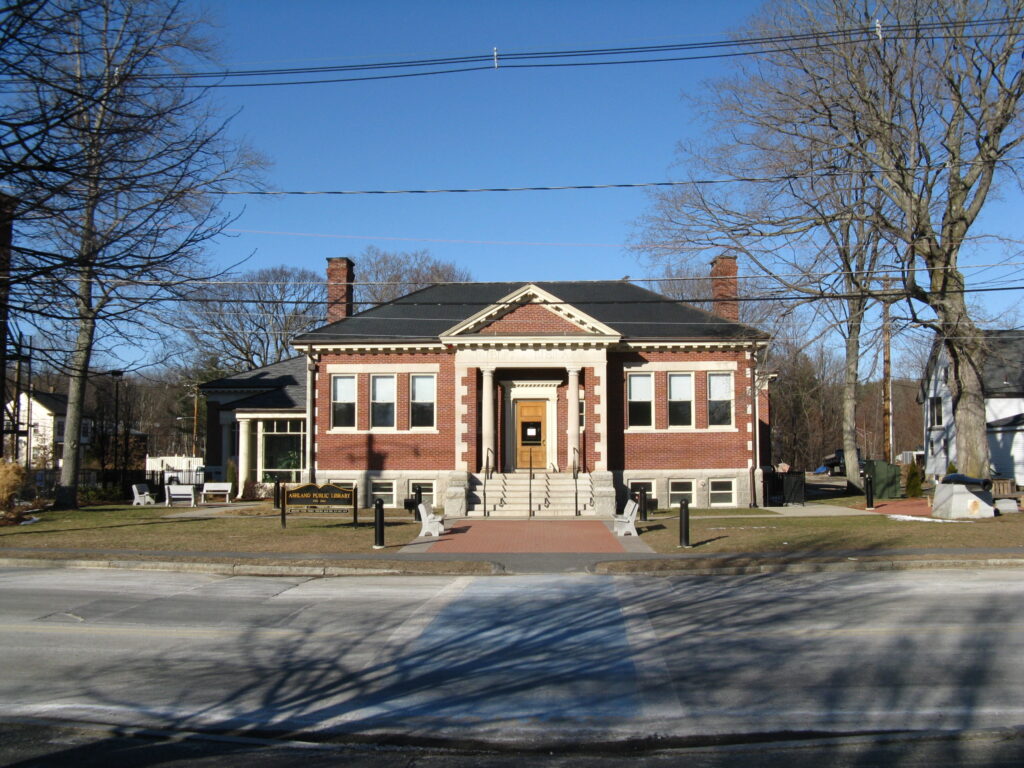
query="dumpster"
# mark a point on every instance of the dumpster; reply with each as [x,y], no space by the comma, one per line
[885,477]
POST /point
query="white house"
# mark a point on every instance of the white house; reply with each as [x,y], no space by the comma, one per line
[40,423]
[1003,384]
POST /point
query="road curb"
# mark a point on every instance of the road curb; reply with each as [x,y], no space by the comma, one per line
[837,567]
[603,568]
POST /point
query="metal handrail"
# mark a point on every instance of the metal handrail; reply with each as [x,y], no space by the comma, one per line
[529,486]
[488,471]
[575,481]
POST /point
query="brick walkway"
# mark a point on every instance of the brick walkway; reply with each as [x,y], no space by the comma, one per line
[527,536]
[916,507]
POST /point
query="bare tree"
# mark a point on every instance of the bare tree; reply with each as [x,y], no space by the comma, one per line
[382,276]
[151,163]
[248,320]
[919,100]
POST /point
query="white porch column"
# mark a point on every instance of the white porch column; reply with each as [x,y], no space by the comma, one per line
[573,417]
[487,417]
[258,475]
[243,454]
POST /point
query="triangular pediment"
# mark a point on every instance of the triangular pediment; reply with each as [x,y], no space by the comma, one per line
[530,311]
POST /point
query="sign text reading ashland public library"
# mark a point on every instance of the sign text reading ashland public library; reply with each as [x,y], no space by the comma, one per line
[311,495]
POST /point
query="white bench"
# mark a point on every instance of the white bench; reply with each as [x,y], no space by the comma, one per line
[141,495]
[215,489]
[625,524]
[180,493]
[431,524]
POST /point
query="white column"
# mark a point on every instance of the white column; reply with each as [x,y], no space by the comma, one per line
[487,417]
[258,474]
[309,467]
[243,454]
[573,417]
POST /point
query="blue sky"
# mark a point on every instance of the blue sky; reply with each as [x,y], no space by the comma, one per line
[479,129]
[504,128]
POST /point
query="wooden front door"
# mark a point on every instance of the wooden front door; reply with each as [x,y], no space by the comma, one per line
[531,434]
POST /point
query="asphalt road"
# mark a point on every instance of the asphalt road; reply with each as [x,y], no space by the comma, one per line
[525,662]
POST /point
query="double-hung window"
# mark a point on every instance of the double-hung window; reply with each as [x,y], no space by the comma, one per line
[640,394]
[422,397]
[343,402]
[719,399]
[678,490]
[680,400]
[382,401]
[935,411]
[721,493]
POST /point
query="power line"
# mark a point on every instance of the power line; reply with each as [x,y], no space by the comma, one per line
[496,60]
[822,173]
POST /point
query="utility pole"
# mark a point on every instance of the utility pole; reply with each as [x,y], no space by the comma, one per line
[195,419]
[887,432]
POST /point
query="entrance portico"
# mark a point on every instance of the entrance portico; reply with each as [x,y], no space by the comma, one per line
[533,407]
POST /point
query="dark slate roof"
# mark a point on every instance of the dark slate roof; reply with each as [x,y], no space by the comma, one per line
[280,386]
[1004,363]
[634,312]
[55,403]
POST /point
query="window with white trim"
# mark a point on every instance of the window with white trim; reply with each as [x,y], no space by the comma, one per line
[422,397]
[719,399]
[679,490]
[284,449]
[935,411]
[343,402]
[635,486]
[721,493]
[382,489]
[680,399]
[382,401]
[640,394]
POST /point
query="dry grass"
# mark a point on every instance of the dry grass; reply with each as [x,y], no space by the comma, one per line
[147,528]
[824,534]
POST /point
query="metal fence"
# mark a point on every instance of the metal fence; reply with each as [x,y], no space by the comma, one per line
[44,482]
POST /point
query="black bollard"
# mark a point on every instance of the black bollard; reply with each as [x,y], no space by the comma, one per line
[378,524]
[643,504]
[869,492]
[684,524]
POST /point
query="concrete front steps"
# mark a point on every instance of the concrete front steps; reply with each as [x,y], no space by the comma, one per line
[554,494]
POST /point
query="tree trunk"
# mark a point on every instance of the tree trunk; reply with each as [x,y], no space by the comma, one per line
[966,354]
[78,379]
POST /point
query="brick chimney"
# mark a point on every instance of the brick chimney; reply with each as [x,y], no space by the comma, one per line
[723,287]
[339,288]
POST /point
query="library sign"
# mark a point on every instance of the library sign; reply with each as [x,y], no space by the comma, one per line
[322,498]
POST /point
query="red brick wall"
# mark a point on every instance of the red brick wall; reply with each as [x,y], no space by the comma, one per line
[530,319]
[376,450]
[679,450]
[429,451]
